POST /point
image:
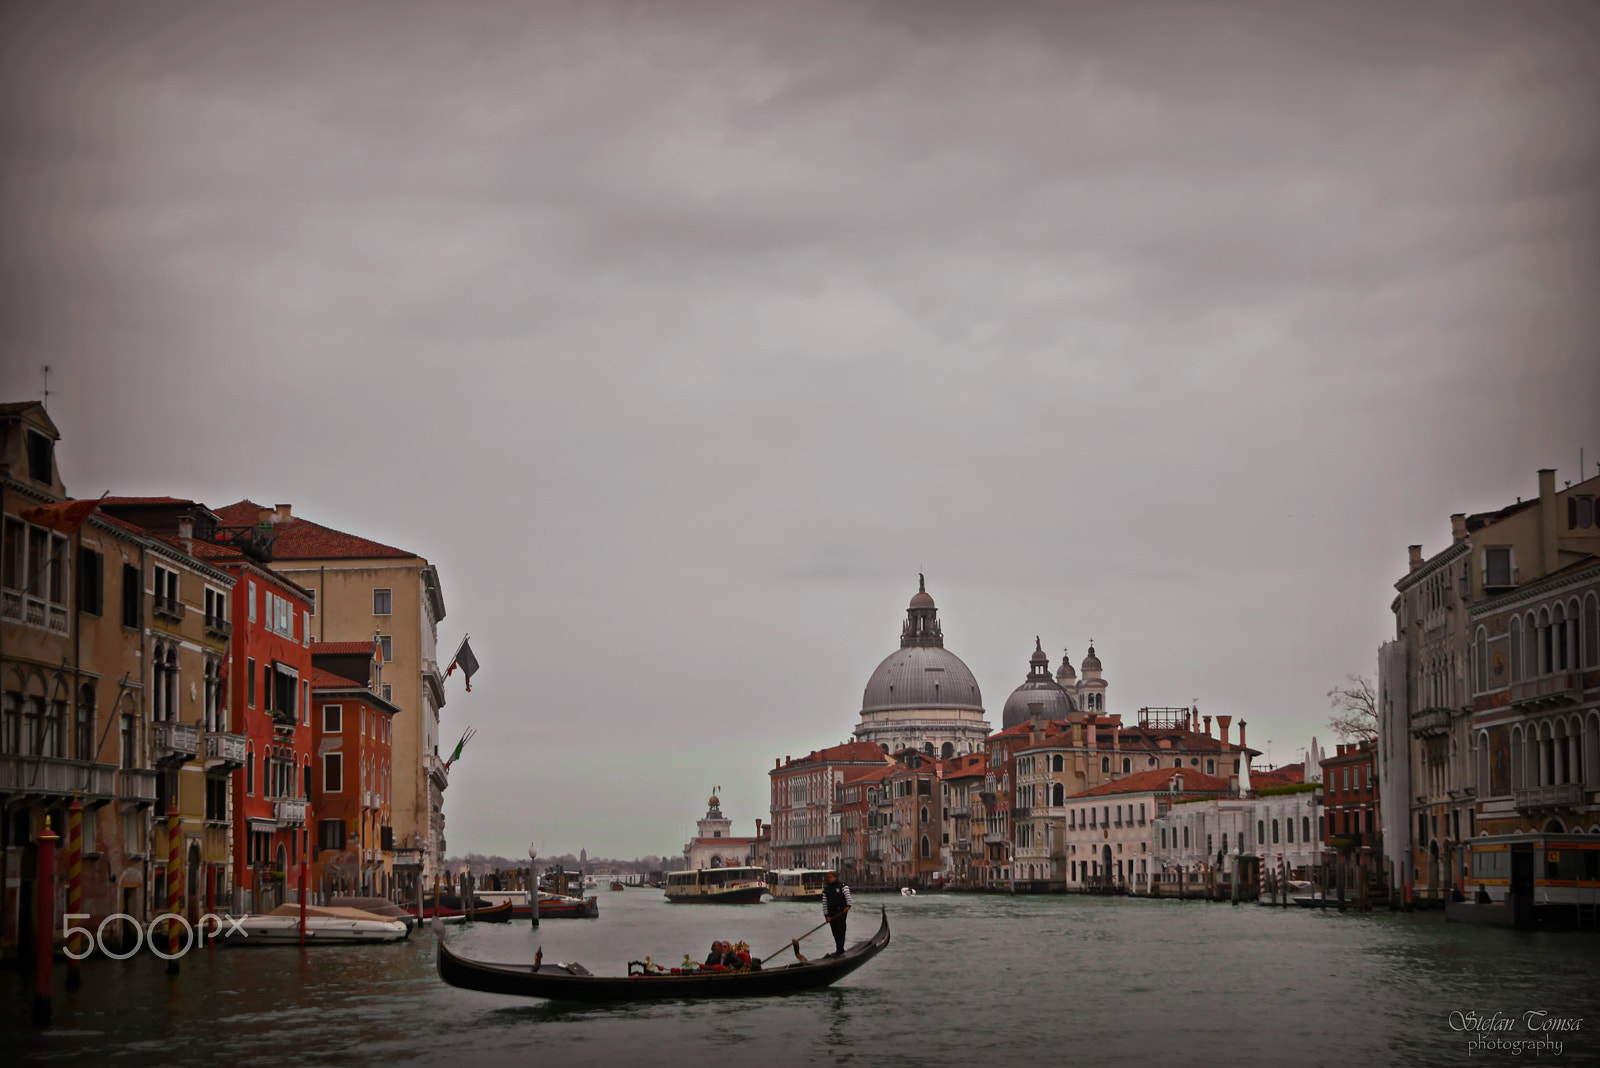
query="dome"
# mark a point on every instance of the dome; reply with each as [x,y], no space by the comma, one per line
[1065,673]
[922,598]
[921,676]
[1091,662]
[1038,689]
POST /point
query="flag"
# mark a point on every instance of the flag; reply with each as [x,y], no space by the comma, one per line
[462,744]
[465,661]
[65,516]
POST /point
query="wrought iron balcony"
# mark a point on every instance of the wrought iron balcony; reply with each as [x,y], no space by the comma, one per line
[1430,722]
[1536,798]
[224,750]
[44,776]
[290,810]
[1549,692]
[218,627]
[136,786]
[175,743]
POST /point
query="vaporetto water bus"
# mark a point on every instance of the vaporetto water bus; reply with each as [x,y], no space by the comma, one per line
[796,884]
[717,886]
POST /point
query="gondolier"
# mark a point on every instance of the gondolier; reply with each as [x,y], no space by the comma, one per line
[836,902]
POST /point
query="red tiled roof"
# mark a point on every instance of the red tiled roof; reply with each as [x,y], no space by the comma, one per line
[1157,780]
[1287,775]
[343,648]
[301,539]
[112,502]
[17,407]
[327,680]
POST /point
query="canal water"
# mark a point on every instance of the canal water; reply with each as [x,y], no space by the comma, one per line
[968,980]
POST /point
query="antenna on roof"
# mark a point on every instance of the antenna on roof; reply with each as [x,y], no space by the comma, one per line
[46,394]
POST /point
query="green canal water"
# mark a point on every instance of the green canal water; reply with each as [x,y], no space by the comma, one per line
[968,980]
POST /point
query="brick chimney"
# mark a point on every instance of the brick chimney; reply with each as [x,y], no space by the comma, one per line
[186,533]
[1415,552]
[282,513]
[1458,527]
[1223,723]
[1547,519]
[1241,734]
[1208,725]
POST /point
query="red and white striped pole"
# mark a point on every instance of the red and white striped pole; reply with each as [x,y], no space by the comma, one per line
[43,930]
[74,885]
[174,886]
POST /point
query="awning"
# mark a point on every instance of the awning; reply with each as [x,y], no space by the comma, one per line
[263,826]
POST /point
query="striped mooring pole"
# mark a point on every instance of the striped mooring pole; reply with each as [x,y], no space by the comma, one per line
[75,885]
[44,926]
[174,886]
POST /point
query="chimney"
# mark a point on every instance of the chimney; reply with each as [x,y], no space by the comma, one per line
[264,517]
[186,533]
[1458,527]
[1415,552]
[776,763]
[1547,519]
[1241,734]
[282,513]
[1223,723]
[1208,725]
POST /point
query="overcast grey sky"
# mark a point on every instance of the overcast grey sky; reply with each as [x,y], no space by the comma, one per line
[681,336]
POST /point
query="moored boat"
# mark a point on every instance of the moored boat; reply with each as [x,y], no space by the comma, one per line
[796,884]
[717,886]
[324,926]
[573,982]
[378,906]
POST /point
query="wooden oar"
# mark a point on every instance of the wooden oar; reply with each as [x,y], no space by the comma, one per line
[795,943]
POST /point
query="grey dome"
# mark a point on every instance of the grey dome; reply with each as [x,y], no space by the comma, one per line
[1054,702]
[1091,662]
[921,676]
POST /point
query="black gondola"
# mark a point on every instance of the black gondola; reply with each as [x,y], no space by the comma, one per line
[567,984]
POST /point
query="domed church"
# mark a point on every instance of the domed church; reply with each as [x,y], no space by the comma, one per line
[922,696]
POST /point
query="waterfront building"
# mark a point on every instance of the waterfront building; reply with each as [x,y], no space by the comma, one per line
[361,587]
[715,845]
[805,798]
[1350,794]
[860,859]
[353,732]
[962,834]
[1445,655]
[73,712]
[911,845]
[1110,836]
[1270,815]
[922,696]
[257,732]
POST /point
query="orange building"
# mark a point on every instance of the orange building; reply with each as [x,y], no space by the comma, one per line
[353,783]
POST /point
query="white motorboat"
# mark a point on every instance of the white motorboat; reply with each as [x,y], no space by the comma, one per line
[324,926]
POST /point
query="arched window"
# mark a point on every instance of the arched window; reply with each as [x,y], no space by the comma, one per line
[927,747]
[1516,649]
[1305,828]
[1055,762]
[925,846]
[1177,762]
[1288,831]
[1186,837]
[1546,658]
[1530,647]
[1274,832]
[83,728]
[947,750]
[924,813]
[1591,631]
[1558,639]
[1261,831]
[1127,765]
[1480,658]
[1105,765]
[1057,792]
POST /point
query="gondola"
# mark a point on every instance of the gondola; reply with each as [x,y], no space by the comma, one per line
[573,983]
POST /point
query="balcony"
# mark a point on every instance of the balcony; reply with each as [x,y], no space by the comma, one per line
[224,750]
[961,845]
[46,777]
[1539,798]
[217,627]
[1430,722]
[175,743]
[290,810]
[136,787]
[1552,691]
[169,609]
[437,770]
[19,607]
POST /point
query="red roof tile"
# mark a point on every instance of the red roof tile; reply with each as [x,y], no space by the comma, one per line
[1288,775]
[327,680]
[343,648]
[1156,780]
[301,539]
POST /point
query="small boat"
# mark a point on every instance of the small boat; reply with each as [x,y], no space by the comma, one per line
[378,906]
[717,886]
[796,884]
[617,884]
[325,925]
[908,891]
[449,916]
[572,982]
[561,907]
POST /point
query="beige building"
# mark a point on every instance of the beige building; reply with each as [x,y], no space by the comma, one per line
[363,588]
[1454,615]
